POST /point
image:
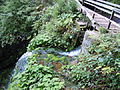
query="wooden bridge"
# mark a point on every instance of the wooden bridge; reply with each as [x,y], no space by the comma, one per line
[101,13]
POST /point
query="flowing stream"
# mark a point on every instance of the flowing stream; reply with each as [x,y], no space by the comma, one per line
[22,61]
[74,52]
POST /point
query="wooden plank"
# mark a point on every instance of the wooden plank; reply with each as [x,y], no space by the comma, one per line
[101,6]
[115,24]
[104,18]
[117,10]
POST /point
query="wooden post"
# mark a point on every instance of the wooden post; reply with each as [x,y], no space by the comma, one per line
[81,10]
[111,17]
[94,13]
[93,16]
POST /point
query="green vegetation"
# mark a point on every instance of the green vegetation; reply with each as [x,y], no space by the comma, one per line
[5,77]
[103,30]
[51,24]
[17,18]
[36,77]
[16,21]
[16,30]
[56,26]
[100,69]
[114,1]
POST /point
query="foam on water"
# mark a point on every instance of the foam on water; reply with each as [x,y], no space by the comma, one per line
[74,52]
[20,65]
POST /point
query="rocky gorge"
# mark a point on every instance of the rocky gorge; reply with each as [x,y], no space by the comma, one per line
[52,46]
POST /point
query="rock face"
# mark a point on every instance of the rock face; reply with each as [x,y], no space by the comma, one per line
[89,38]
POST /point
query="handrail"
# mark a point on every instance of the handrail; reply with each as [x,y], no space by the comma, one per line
[112,9]
[98,6]
[84,11]
[102,6]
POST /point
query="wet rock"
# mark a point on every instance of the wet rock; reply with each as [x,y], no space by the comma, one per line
[89,38]
[20,65]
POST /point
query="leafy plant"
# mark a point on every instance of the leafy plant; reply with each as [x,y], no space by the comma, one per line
[22,14]
[18,13]
[66,6]
[58,32]
[100,69]
[102,30]
[36,76]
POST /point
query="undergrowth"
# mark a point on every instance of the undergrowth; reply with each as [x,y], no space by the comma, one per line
[100,69]
[56,26]
[36,77]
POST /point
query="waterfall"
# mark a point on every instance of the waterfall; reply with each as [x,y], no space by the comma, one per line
[20,65]
[22,61]
[74,52]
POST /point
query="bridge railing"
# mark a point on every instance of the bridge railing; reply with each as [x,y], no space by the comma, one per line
[113,10]
[108,3]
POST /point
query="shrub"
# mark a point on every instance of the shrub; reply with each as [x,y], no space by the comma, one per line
[56,28]
[103,30]
[65,6]
[17,17]
[51,36]
[100,69]
[16,21]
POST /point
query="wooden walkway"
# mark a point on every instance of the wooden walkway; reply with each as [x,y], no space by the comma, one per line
[97,19]
[101,21]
